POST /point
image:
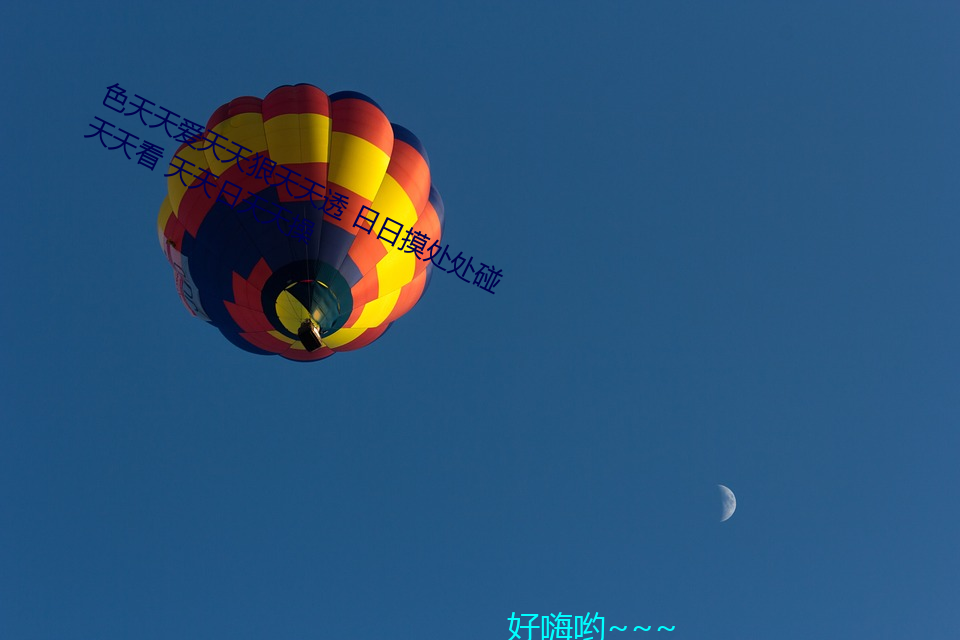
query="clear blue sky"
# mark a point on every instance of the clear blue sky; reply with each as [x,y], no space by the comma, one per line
[728,234]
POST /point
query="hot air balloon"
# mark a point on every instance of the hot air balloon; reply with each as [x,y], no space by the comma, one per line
[297,224]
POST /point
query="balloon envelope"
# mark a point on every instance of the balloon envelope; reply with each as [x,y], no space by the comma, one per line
[300,210]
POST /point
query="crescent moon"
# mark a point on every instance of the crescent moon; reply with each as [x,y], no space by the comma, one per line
[729,502]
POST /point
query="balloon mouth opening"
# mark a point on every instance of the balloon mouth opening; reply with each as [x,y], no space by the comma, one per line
[309,334]
[307,302]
